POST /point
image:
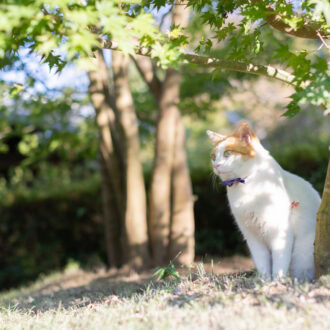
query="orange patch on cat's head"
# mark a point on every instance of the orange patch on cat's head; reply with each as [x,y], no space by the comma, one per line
[239,142]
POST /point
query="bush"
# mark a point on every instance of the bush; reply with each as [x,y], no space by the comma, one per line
[41,234]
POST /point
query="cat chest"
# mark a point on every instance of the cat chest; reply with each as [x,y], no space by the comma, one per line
[261,210]
[251,209]
[258,196]
[243,208]
[248,216]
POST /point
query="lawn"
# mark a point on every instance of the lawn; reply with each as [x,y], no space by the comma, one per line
[206,297]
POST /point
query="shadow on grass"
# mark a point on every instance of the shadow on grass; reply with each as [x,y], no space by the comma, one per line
[80,288]
[111,287]
[86,289]
[107,288]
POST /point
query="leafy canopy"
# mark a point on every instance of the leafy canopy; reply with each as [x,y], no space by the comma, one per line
[62,31]
[238,28]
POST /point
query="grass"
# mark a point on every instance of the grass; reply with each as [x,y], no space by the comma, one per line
[77,299]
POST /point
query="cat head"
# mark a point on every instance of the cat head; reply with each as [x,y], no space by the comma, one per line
[231,154]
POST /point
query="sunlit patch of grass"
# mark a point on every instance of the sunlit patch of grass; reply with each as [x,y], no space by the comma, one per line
[196,300]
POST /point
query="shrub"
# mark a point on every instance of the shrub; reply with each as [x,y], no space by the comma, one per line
[42,233]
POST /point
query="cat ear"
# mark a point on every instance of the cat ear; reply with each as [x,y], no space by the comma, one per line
[215,137]
[244,132]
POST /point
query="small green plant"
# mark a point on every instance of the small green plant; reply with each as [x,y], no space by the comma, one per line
[162,273]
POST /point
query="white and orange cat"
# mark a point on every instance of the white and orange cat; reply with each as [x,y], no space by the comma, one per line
[274,209]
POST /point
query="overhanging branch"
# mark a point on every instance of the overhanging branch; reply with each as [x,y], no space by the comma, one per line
[145,67]
[262,70]
[309,30]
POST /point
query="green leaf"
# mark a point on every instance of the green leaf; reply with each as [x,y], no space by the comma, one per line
[17,88]
[293,108]
[158,274]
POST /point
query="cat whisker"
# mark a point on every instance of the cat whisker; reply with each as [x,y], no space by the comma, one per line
[214,181]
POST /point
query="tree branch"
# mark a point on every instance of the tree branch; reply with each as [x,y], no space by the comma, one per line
[144,66]
[310,30]
[323,41]
[213,62]
[257,69]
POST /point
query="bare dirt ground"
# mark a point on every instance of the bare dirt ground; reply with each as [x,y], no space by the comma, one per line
[224,294]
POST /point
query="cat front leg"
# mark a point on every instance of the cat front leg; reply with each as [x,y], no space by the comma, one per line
[281,247]
[260,255]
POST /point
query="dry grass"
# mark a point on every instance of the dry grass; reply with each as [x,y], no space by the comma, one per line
[201,300]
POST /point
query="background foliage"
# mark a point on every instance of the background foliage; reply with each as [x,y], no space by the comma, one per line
[50,187]
[51,197]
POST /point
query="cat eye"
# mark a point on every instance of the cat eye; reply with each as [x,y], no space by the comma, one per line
[227,153]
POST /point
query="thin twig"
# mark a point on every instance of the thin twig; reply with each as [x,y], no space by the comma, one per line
[323,41]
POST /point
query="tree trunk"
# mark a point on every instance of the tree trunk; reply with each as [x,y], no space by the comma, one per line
[160,188]
[109,163]
[182,238]
[322,236]
[171,216]
[135,222]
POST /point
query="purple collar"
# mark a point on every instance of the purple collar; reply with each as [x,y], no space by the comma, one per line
[229,183]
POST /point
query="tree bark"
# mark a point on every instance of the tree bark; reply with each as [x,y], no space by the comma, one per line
[309,30]
[171,216]
[182,240]
[181,232]
[135,220]
[214,62]
[322,236]
[160,188]
[109,162]
[146,70]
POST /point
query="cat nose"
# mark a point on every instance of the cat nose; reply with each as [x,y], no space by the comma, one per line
[216,166]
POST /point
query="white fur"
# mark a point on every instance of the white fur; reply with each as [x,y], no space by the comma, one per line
[279,237]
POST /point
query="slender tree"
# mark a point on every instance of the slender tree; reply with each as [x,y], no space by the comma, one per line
[171,217]
[135,223]
[182,240]
[182,227]
[112,192]
[123,190]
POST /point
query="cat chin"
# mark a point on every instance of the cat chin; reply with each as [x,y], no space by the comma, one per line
[224,175]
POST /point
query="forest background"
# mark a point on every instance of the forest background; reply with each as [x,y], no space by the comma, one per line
[56,204]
